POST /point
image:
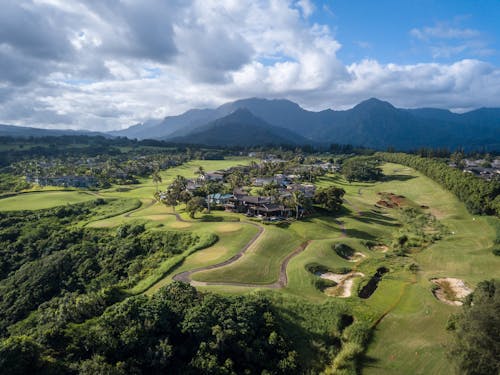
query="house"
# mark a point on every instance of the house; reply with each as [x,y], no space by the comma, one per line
[193,185]
[307,189]
[65,181]
[255,206]
[219,199]
[212,176]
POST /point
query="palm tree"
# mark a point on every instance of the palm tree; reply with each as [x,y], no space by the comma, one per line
[297,200]
[205,185]
[156,179]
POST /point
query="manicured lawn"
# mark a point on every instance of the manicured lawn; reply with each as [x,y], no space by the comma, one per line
[43,199]
[261,263]
[410,335]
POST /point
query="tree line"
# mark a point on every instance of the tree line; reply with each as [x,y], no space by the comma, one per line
[479,196]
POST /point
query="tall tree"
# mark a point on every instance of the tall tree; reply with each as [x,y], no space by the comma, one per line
[156,179]
[175,192]
[194,205]
[330,198]
[205,185]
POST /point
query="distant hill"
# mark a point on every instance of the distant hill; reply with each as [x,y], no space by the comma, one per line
[240,128]
[372,123]
[26,132]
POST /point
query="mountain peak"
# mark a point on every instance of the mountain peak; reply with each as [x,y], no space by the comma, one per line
[374,103]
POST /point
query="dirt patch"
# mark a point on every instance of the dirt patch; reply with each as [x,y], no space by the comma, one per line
[343,289]
[391,200]
[450,290]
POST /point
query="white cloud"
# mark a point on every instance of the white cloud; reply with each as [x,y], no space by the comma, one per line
[307,8]
[444,31]
[108,65]
[446,40]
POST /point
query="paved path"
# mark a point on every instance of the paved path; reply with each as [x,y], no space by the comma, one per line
[141,207]
[282,279]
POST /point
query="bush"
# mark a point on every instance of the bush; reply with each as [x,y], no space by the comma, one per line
[358,333]
[343,250]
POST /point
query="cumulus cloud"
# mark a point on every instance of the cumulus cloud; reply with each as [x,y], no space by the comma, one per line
[106,65]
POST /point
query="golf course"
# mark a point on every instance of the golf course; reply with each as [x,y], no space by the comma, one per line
[347,261]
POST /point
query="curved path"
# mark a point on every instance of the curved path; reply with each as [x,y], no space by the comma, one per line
[280,283]
[140,208]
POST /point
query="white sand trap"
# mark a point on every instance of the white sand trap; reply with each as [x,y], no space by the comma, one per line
[343,289]
[356,257]
[381,248]
[451,291]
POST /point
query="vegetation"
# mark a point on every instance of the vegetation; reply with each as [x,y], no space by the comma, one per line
[478,195]
[86,287]
[361,168]
[330,198]
[42,259]
[477,332]
[178,330]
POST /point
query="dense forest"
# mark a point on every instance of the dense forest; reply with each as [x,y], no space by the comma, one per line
[178,331]
[45,256]
[66,305]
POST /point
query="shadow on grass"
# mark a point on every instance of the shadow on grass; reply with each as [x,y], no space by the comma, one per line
[356,233]
[374,218]
[398,177]
[315,347]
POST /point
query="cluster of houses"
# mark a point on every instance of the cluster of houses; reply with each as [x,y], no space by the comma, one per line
[481,168]
[65,181]
[264,206]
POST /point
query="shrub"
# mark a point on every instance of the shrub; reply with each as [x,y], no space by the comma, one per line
[343,250]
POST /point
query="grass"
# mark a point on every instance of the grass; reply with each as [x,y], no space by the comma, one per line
[42,200]
[410,335]
[261,263]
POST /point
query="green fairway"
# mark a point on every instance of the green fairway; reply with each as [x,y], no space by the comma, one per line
[43,199]
[146,188]
[409,335]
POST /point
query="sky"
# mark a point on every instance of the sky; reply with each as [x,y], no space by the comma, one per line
[105,65]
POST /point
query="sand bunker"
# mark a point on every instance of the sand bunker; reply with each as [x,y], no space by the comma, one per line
[343,289]
[356,257]
[381,248]
[391,200]
[451,291]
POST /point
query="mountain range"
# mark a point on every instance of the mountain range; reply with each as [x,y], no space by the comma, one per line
[372,123]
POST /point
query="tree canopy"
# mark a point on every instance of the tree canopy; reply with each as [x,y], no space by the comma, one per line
[476,346]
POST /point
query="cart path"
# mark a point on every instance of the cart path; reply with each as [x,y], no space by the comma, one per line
[280,283]
[282,279]
[141,207]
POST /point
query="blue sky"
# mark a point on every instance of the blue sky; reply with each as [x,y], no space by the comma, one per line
[105,65]
[382,29]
